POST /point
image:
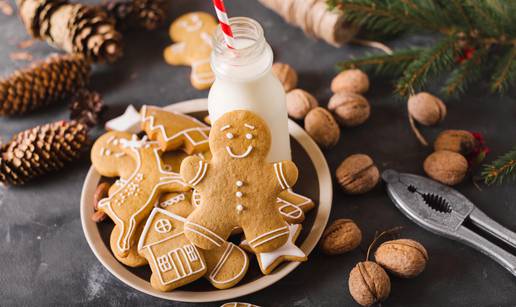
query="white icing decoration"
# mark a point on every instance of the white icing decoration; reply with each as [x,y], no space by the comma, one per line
[204,232]
[239,208]
[288,249]
[222,262]
[127,122]
[249,126]
[196,198]
[229,135]
[241,156]
[278,232]
[201,172]
[196,24]
[207,38]
[249,136]
[278,169]
[239,194]
[174,200]
[203,77]
[201,129]
[163,226]
[225,127]
[239,183]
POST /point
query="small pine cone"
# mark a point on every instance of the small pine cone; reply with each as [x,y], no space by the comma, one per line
[85,107]
[75,28]
[50,81]
[146,14]
[41,150]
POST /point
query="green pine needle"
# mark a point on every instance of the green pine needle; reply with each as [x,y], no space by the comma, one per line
[381,64]
[465,74]
[505,71]
[431,62]
[501,170]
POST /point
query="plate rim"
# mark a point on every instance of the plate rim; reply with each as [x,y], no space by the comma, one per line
[118,270]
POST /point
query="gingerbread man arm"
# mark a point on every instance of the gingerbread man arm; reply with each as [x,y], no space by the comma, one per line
[174,54]
[286,174]
[193,170]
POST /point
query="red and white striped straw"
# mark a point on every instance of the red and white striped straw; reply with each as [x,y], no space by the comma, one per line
[224,23]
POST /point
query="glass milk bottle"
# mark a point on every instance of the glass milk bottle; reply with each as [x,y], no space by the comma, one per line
[244,81]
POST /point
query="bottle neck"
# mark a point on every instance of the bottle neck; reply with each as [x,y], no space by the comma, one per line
[251,58]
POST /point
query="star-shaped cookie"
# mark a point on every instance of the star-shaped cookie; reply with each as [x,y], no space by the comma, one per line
[288,252]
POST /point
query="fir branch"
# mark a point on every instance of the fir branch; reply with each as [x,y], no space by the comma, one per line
[501,170]
[387,16]
[394,63]
[505,71]
[465,74]
[486,17]
[431,61]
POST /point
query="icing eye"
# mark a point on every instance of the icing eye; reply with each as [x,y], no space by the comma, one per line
[229,135]
[249,136]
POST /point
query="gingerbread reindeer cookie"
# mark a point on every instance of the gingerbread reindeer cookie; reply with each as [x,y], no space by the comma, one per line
[133,200]
[192,34]
[238,187]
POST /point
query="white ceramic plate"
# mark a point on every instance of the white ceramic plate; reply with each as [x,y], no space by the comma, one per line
[121,272]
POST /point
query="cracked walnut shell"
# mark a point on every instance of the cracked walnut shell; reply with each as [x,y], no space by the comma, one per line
[404,258]
[342,236]
[357,174]
[369,283]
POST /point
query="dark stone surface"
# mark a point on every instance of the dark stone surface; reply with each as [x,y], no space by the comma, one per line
[44,257]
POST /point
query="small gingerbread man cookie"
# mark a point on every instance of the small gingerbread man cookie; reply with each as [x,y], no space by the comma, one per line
[192,33]
[238,187]
[109,159]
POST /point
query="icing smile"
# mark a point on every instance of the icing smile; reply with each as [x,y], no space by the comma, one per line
[245,154]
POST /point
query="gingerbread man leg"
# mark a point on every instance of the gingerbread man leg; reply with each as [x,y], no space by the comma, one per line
[265,232]
[206,230]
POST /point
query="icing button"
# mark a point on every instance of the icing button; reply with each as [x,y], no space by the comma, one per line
[239,183]
[239,194]
[239,208]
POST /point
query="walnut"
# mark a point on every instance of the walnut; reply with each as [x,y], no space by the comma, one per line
[369,283]
[342,236]
[286,74]
[351,80]
[426,109]
[350,109]
[357,174]
[404,258]
[447,167]
[322,127]
[299,103]
[460,141]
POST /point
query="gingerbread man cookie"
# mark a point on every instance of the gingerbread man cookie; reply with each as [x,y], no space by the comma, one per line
[238,187]
[133,200]
[192,33]
[174,261]
[293,206]
[226,265]
[174,130]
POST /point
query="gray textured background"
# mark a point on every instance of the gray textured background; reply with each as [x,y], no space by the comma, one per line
[45,260]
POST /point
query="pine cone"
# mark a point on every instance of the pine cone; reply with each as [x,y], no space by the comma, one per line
[75,28]
[41,150]
[46,82]
[85,107]
[146,14]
